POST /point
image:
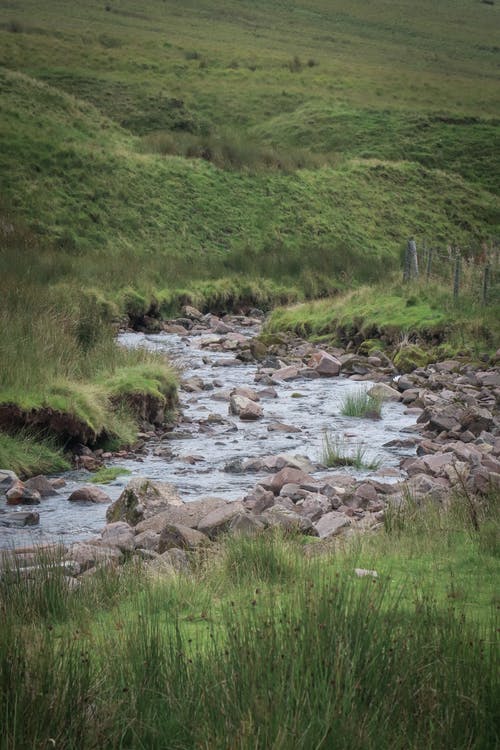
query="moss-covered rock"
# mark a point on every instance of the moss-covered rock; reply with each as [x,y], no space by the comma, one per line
[410,357]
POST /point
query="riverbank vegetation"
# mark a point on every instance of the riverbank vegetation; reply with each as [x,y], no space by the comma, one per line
[267,642]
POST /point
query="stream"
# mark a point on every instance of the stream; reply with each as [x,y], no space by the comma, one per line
[207,438]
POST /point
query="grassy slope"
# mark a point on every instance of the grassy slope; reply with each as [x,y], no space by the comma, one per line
[380,89]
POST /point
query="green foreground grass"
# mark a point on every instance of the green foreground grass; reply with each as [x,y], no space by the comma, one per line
[263,646]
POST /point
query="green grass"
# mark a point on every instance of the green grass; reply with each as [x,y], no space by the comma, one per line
[260,638]
[398,313]
[336,451]
[27,454]
[361,404]
[299,145]
[108,474]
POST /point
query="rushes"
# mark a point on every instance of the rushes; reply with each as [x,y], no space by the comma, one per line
[361,404]
[338,452]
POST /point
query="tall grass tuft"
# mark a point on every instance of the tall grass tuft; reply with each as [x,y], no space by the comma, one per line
[361,404]
[336,451]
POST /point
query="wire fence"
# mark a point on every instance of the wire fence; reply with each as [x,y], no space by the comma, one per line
[471,271]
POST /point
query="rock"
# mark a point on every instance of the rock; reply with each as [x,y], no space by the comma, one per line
[331,524]
[281,516]
[119,534]
[294,492]
[193,385]
[42,485]
[476,420]
[141,499]
[245,525]
[234,466]
[191,312]
[246,393]
[325,364]
[89,493]
[384,392]
[7,480]
[175,328]
[423,486]
[405,383]
[19,494]
[365,493]
[218,521]
[92,555]
[291,372]
[437,462]
[187,514]
[268,392]
[442,421]
[280,427]
[286,476]
[183,537]
[171,562]
[18,519]
[410,358]
[364,573]
[90,463]
[259,500]
[147,540]
[315,506]
[244,408]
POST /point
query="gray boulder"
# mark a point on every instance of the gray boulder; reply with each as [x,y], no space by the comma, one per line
[119,534]
[218,521]
[331,524]
[182,537]
[142,499]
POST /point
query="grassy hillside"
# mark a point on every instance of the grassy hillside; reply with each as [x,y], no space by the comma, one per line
[390,108]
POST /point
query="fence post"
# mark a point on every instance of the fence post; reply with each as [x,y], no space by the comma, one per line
[412,247]
[486,284]
[456,280]
[406,266]
[429,263]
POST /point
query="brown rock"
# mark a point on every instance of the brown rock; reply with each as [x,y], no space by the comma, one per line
[89,494]
[182,537]
[42,485]
[19,494]
[286,476]
[325,364]
[244,408]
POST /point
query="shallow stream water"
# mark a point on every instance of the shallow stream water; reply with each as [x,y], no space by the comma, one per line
[203,444]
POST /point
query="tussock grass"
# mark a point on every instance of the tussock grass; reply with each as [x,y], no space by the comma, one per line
[361,404]
[193,660]
[337,451]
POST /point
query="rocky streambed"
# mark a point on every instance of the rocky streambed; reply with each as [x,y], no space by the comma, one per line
[248,450]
